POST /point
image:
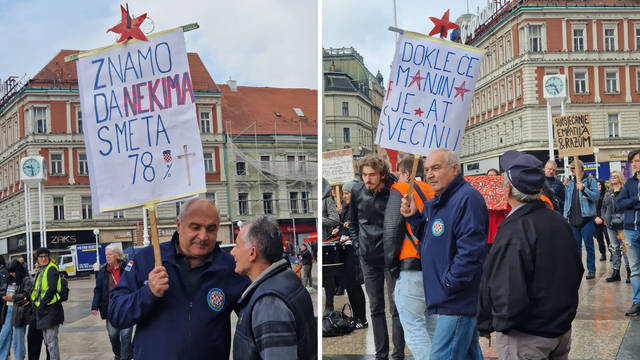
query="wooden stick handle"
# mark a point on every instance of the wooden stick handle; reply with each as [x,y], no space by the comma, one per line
[412,180]
[154,235]
[578,174]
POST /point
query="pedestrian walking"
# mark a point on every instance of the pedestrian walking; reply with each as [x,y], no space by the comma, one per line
[16,295]
[600,230]
[614,220]
[307,263]
[47,306]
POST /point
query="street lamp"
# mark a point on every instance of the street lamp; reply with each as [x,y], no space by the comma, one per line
[96,233]
[595,152]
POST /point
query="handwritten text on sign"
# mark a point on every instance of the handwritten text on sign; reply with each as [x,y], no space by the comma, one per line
[573,134]
[141,132]
[337,166]
[429,94]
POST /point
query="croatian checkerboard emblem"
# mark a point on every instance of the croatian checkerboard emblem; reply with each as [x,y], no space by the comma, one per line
[215,298]
[438,227]
[167,155]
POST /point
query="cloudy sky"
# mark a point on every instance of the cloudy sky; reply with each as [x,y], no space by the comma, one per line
[364,24]
[256,42]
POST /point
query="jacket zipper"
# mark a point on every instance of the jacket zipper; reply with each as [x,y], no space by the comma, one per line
[188,332]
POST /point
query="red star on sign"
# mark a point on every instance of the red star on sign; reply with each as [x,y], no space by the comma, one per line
[128,27]
[416,79]
[460,91]
[419,112]
[442,26]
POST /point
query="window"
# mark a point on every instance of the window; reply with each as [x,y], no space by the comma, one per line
[79,117]
[613,125]
[345,109]
[510,93]
[518,89]
[609,39]
[578,39]
[243,203]
[211,197]
[291,164]
[40,120]
[267,203]
[241,169]
[82,164]
[501,53]
[58,208]
[265,163]
[638,81]
[502,97]
[205,122]
[304,202]
[118,214]
[87,212]
[508,49]
[535,38]
[495,96]
[611,82]
[489,100]
[484,103]
[302,164]
[347,134]
[637,39]
[56,164]
[580,82]
[208,162]
[293,202]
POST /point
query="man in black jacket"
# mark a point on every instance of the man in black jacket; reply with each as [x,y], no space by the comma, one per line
[557,187]
[529,292]
[368,203]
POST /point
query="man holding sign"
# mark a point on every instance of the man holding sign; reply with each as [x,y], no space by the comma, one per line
[182,309]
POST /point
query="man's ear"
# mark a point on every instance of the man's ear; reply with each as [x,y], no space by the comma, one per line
[177,225]
[456,169]
[253,254]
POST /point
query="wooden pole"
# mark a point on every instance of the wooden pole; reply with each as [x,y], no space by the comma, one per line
[154,233]
[578,173]
[412,180]
[338,200]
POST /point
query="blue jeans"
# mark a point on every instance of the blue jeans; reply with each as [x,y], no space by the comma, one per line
[456,338]
[120,341]
[586,233]
[633,253]
[10,333]
[410,302]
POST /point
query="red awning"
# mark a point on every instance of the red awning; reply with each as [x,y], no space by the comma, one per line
[312,238]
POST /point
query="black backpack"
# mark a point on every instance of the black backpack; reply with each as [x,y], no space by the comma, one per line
[64,289]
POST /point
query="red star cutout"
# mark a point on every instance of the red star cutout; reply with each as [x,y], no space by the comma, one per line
[460,91]
[131,32]
[416,79]
[442,26]
[419,112]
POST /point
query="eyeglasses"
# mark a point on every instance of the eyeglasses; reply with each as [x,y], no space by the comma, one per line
[43,256]
[614,176]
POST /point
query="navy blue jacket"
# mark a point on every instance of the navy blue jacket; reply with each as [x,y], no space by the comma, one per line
[629,202]
[101,291]
[179,325]
[558,190]
[453,230]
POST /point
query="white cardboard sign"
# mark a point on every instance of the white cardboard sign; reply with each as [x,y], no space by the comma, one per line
[139,120]
[429,94]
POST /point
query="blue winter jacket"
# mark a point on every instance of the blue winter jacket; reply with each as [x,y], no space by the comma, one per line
[628,201]
[179,325]
[453,230]
[588,198]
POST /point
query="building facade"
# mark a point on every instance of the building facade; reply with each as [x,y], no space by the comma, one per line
[353,99]
[43,117]
[596,44]
[272,156]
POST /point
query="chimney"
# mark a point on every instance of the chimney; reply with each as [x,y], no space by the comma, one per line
[232,85]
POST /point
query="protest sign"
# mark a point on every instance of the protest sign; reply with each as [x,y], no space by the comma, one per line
[337,166]
[573,135]
[491,189]
[429,94]
[141,132]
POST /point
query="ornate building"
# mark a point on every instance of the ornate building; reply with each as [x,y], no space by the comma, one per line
[595,43]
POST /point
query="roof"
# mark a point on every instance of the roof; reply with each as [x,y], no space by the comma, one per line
[60,74]
[260,104]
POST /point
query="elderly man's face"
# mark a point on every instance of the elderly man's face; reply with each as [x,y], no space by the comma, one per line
[199,231]
[241,253]
[439,175]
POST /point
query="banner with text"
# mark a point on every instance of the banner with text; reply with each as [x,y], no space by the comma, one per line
[139,121]
[573,135]
[429,94]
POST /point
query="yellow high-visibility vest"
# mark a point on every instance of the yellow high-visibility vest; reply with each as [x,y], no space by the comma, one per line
[43,283]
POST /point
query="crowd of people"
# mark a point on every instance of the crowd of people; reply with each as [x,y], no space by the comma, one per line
[455,270]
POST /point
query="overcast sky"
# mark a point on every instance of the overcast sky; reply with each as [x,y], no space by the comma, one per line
[256,42]
[364,24]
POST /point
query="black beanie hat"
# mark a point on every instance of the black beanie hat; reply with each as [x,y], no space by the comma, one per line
[43,250]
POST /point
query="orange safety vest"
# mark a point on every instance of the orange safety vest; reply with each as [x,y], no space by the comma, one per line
[547,200]
[408,249]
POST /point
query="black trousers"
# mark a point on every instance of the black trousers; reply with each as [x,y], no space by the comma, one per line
[601,235]
[374,279]
[34,341]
